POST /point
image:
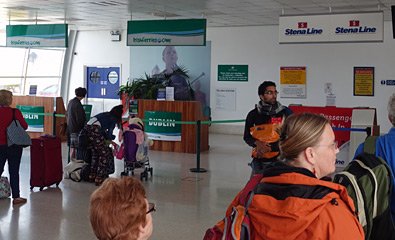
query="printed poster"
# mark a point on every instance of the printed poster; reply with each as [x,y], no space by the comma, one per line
[196,60]
[293,82]
[363,81]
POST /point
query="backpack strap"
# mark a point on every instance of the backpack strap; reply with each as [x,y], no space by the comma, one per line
[375,185]
[370,145]
[237,226]
[252,183]
[360,201]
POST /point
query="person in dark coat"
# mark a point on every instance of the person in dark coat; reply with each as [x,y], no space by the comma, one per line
[267,111]
[99,131]
[76,119]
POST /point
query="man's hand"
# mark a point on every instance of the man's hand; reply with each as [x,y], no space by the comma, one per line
[262,147]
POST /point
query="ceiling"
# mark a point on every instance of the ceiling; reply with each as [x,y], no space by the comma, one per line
[114,14]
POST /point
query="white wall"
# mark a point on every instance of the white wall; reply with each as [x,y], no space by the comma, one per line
[258,47]
[95,48]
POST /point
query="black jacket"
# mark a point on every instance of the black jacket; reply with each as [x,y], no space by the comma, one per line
[75,116]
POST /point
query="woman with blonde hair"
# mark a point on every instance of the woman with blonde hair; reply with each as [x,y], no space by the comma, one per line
[291,192]
[12,153]
[119,210]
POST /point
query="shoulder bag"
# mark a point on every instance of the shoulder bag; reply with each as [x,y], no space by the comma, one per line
[5,188]
[16,135]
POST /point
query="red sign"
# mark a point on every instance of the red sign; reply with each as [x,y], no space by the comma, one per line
[354,23]
[302,24]
[339,117]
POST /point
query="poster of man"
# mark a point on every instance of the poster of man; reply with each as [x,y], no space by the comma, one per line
[186,68]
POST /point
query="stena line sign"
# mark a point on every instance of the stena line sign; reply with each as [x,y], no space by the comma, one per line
[351,27]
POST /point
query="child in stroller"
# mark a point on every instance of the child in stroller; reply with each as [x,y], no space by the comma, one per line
[136,144]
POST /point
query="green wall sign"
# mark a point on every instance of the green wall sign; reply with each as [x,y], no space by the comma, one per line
[237,73]
[39,35]
[34,116]
[88,111]
[180,32]
[166,129]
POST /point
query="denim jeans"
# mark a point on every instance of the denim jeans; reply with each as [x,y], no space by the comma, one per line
[13,155]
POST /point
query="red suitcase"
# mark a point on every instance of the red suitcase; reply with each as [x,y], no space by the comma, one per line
[46,166]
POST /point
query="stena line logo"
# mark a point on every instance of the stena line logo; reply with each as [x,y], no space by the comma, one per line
[354,27]
[303,30]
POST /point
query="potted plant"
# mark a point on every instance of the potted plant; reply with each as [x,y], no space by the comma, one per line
[147,87]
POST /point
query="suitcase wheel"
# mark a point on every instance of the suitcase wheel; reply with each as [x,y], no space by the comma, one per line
[151,170]
[31,188]
[41,188]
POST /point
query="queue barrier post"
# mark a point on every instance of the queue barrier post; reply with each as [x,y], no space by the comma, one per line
[198,169]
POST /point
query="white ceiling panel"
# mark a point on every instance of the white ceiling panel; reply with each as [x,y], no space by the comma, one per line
[111,14]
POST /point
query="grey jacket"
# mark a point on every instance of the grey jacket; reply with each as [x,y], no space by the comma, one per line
[75,116]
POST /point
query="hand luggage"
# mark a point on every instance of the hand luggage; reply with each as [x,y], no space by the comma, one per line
[46,166]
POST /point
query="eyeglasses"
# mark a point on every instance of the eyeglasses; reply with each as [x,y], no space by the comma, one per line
[151,208]
[271,92]
[334,145]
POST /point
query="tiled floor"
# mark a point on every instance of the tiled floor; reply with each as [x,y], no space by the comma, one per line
[187,203]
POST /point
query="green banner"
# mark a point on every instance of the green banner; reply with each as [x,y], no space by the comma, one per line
[180,32]
[40,35]
[88,111]
[163,131]
[237,73]
[33,116]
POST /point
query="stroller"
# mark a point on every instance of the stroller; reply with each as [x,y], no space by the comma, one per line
[136,144]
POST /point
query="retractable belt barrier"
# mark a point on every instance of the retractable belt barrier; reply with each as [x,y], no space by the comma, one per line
[198,124]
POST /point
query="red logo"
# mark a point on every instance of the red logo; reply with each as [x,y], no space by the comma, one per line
[354,23]
[277,120]
[302,24]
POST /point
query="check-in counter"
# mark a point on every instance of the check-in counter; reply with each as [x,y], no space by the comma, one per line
[50,105]
[190,111]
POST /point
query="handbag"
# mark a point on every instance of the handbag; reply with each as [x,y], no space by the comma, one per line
[73,170]
[16,135]
[5,188]
[119,151]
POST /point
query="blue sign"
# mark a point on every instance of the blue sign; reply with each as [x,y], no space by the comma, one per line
[390,82]
[103,82]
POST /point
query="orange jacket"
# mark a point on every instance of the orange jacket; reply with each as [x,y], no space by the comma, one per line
[322,210]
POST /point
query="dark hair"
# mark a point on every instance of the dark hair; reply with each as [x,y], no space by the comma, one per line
[80,92]
[264,85]
[116,112]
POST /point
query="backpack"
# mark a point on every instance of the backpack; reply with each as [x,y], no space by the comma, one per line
[368,181]
[237,224]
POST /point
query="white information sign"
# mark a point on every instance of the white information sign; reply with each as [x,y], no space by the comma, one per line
[225,99]
[349,27]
